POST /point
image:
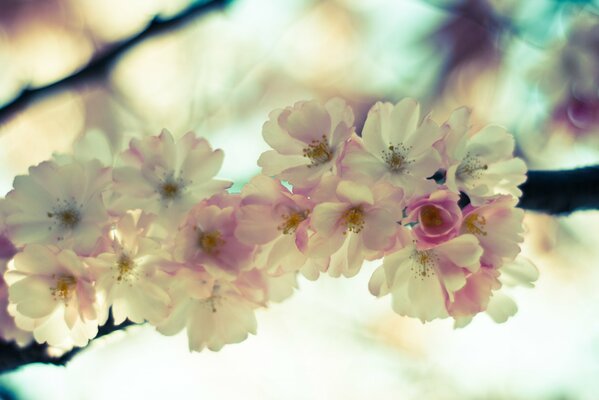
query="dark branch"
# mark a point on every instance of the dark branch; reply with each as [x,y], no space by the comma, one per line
[13,357]
[98,67]
[561,192]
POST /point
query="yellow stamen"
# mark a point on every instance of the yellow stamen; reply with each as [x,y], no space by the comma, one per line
[64,287]
[210,242]
[319,152]
[354,219]
[474,224]
[423,263]
[292,221]
[124,266]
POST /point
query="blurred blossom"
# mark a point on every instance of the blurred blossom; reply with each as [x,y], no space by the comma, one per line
[569,77]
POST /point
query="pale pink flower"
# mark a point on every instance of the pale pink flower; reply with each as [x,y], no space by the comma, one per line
[307,139]
[480,164]
[8,330]
[129,275]
[437,218]
[51,293]
[59,205]
[214,313]
[167,177]
[359,222]
[277,220]
[421,282]
[498,226]
[474,297]
[207,238]
[396,147]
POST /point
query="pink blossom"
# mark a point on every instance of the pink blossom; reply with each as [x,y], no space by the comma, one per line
[207,238]
[359,222]
[480,164]
[474,297]
[307,139]
[395,147]
[277,220]
[437,218]
[167,177]
[59,205]
[498,226]
[128,273]
[421,282]
[51,293]
[213,312]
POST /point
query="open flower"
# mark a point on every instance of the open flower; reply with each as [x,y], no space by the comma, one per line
[359,223]
[207,238]
[498,226]
[59,205]
[395,147]
[421,282]
[277,220]
[307,139]
[53,296]
[129,275]
[213,312]
[437,218]
[167,177]
[481,164]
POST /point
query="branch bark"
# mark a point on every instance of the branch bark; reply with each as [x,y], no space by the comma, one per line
[98,67]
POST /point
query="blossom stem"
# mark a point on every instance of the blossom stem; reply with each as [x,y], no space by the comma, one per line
[561,192]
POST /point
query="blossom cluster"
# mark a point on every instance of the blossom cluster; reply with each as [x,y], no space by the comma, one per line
[157,237]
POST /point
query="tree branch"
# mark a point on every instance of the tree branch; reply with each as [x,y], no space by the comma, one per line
[13,356]
[561,192]
[98,67]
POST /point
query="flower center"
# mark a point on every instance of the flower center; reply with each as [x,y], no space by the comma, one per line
[423,264]
[475,223]
[471,167]
[64,287]
[353,219]
[210,242]
[171,188]
[124,267]
[430,216]
[319,152]
[395,158]
[292,221]
[67,215]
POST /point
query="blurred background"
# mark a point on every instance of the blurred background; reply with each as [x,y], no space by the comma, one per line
[73,72]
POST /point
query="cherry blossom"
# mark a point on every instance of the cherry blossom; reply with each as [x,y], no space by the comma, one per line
[481,164]
[277,220]
[207,238]
[307,139]
[52,295]
[358,223]
[213,312]
[422,282]
[396,147]
[437,218]
[129,275]
[59,205]
[498,226]
[165,177]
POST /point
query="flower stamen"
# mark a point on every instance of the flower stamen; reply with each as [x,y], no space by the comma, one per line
[292,220]
[64,287]
[353,219]
[430,216]
[474,224]
[319,152]
[210,242]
